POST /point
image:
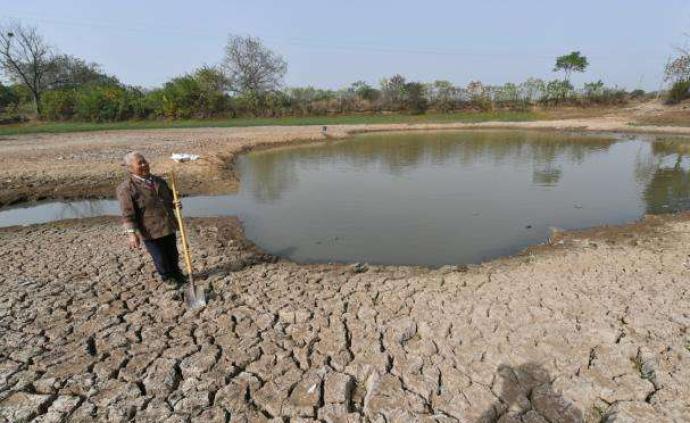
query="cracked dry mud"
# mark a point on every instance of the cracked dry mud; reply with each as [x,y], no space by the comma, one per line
[594,330]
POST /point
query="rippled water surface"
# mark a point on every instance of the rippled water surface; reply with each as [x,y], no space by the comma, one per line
[433,198]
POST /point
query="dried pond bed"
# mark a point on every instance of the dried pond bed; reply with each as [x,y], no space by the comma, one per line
[593,327]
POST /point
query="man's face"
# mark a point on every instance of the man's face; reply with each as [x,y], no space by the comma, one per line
[139,166]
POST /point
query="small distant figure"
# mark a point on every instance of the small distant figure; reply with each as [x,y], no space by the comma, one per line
[324,132]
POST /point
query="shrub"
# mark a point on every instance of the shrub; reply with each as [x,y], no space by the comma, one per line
[247,104]
[415,98]
[594,91]
[276,104]
[100,103]
[153,101]
[134,105]
[393,92]
[8,98]
[678,92]
[557,91]
[109,103]
[212,84]
[443,95]
[364,91]
[598,93]
[614,96]
[58,104]
[635,94]
[198,95]
[180,97]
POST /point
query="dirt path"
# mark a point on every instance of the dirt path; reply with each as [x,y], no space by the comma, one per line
[595,329]
[87,165]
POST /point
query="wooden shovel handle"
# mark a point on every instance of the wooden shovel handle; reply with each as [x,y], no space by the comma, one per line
[180,224]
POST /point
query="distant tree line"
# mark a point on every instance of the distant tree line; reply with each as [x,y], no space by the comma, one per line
[249,82]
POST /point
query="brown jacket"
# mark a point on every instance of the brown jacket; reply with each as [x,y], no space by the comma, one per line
[150,210]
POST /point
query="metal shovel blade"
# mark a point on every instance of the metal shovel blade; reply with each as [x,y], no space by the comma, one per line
[194,296]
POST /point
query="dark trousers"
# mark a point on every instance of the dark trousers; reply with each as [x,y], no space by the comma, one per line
[165,256]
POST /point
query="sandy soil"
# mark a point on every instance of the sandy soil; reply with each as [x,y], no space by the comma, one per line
[593,328]
[87,165]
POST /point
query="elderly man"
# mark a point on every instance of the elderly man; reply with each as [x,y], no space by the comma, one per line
[147,204]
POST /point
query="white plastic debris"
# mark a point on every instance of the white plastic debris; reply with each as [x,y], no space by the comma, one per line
[184,157]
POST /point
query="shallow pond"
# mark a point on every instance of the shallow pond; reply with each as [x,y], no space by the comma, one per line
[433,198]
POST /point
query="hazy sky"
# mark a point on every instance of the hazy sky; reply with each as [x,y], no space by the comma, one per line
[331,44]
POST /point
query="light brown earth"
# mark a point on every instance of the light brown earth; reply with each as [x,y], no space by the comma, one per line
[594,327]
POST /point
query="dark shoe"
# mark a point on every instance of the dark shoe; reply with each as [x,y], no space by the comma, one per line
[179,278]
[168,279]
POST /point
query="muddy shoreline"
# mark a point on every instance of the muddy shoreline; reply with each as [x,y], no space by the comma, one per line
[87,165]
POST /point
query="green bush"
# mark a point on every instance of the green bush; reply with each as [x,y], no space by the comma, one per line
[110,103]
[153,101]
[558,91]
[365,91]
[481,103]
[212,98]
[198,95]
[22,92]
[248,104]
[594,91]
[635,94]
[9,99]
[181,97]
[134,105]
[58,104]
[100,103]
[415,98]
[598,93]
[614,96]
[678,92]
[276,104]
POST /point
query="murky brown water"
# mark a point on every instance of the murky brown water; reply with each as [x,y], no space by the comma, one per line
[436,198]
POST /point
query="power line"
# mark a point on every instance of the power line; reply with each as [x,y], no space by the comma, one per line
[149,28]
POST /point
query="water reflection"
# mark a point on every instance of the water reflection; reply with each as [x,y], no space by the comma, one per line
[278,175]
[433,198]
[80,210]
[666,176]
[546,177]
[274,172]
[52,211]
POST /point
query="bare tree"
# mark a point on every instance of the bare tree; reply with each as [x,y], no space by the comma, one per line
[393,91]
[26,58]
[251,67]
[67,71]
[678,69]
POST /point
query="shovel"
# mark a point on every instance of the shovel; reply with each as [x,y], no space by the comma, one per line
[193,297]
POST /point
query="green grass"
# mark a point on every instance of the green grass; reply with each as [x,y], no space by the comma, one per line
[463,117]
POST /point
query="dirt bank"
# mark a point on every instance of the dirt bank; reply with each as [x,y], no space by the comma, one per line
[593,328]
[87,165]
